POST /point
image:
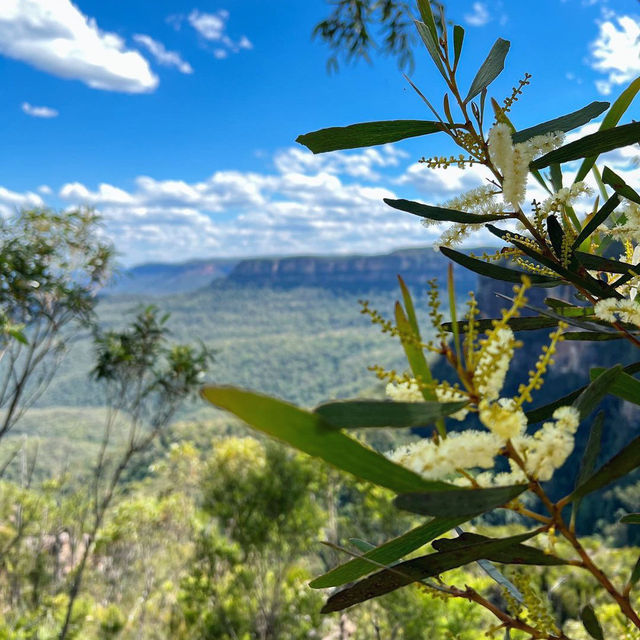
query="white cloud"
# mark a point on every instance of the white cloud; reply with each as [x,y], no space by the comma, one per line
[213,28]
[616,52]
[55,37]
[160,53]
[12,201]
[479,16]
[39,112]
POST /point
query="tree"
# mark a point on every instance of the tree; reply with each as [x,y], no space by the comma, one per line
[356,28]
[146,379]
[51,267]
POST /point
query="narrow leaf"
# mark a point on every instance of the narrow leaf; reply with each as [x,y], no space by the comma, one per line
[409,308]
[523,553]
[463,502]
[590,398]
[362,414]
[495,271]
[366,134]
[431,43]
[458,38]
[591,623]
[611,119]
[635,574]
[619,185]
[589,458]
[490,69]
[440,214]
[631,518]
[620,465]
[362,545]
[424,6]
[542,413]
[309,433]
[624,386]
[563,123]
[606,210]
[386,553]
[594,144]
[515,324]
[598,263]
[417,569]
[556,234]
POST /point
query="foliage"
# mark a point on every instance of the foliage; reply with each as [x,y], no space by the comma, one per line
[51,269]
[463,473]
[349,30]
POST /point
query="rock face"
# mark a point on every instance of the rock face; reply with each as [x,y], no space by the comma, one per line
[347,272]
[163,278]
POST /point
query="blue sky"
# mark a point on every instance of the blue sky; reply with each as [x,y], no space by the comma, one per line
[177,120]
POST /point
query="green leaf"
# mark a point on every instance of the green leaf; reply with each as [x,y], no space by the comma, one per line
[386,553]
[440,214]
[611,119]
[590,457]
[598,263]
[635,574]
[591,623]
[495,271]
[463,502]
[362,414]
[590,398]
[542,413]
[366,134]
[431,43]
[593,144]
[458,38]
[592,336]
[409,308]
[362,545]
[417,569]
[309,433]
[524,553]
[605,211]
[631,518]
[528,323]
[556,234]
[563,123]
[620,465]
[555,173]
[490,69]
[426,13]
[619,185]
[624,386]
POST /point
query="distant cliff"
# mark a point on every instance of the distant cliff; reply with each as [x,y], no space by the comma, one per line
[350,272]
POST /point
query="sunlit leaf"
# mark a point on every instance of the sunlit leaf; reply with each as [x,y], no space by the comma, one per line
[309,433]
[619,185]
[605,211]
[490,69]
[359,414]
[386,553]
[624,386]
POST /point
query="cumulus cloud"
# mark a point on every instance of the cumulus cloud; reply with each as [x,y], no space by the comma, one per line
[616,52]
[162,55]
[39,112]
[212,27]
[55,37]
[12,201]
[478,16]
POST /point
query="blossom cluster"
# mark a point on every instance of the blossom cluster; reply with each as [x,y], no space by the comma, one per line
[513,160]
